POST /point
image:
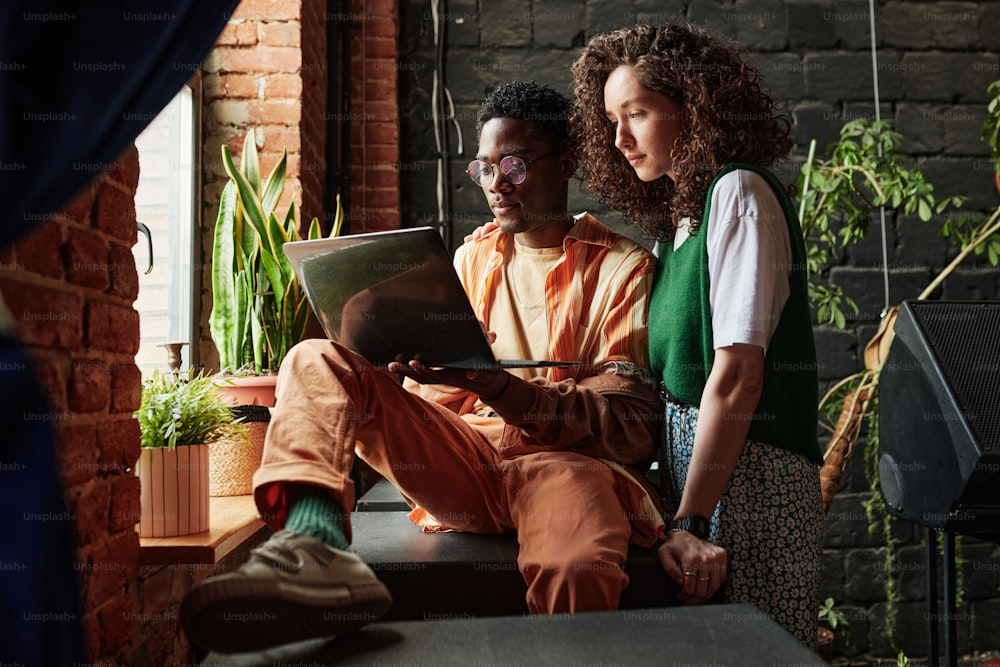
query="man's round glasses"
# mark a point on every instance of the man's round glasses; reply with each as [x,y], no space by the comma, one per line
[512,168]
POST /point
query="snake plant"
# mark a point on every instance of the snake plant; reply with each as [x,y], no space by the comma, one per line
[259,309]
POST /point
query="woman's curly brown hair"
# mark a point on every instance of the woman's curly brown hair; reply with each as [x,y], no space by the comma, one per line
[726,118]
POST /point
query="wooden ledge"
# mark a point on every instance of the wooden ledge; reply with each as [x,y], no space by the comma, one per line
[232,519]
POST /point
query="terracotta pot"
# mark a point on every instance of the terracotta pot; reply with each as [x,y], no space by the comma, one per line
[173,490]
[824,643]
[996,179]
[249,390]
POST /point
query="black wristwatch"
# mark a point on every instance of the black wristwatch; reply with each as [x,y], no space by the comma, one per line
[697,525]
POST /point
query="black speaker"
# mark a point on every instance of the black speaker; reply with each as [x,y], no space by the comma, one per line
[939,416]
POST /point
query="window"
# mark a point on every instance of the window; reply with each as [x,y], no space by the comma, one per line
[166,203]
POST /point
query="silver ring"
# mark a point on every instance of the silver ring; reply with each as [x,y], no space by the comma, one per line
[689,574]
[704,578]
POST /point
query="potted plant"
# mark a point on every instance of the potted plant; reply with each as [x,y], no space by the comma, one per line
[831,621]
[179,414]
[259,309]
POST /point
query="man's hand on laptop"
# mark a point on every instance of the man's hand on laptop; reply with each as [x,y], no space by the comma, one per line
[487,383]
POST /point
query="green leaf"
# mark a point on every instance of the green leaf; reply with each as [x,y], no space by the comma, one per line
[250,163]
[275,184]
[224,266]
[924,210]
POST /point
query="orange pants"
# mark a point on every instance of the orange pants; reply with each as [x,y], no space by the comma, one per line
[571,512]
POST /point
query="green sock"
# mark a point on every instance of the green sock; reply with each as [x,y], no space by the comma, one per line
[315,513]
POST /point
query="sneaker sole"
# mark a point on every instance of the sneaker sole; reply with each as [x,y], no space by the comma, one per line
[238,615]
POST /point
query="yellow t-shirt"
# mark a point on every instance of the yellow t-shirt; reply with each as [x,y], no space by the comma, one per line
[520,311]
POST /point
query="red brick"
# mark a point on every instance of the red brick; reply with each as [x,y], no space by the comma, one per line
[125,170]
[376,156]
[379,69]
[381,47]
[263,59]
[123,274]
[283,86]
[384,91]
[89,387]
[39,252]
[126,387]
[278,33]
[381,9]
[118,441]
[230,86]
[125,506]
[51,368]
[281,137]
[90,510]
[382,134]
[92,634]
[86,257]
[118,620]
[110,567]
[238,34]
[114,213]
[268,10]
[80,206]
[111,327]
[382,198]
[43,316]
[277,112]
[382,27]
[78,452]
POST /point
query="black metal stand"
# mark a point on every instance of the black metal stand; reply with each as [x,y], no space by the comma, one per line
[950,614]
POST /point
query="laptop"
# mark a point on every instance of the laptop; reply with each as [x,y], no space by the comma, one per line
[384,294]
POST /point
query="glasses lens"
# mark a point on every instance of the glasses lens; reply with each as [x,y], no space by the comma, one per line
[513,169]
[480,172]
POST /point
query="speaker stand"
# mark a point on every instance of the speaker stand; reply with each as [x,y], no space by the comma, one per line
[950,613]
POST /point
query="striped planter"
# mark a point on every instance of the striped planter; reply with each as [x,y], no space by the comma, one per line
[174,490]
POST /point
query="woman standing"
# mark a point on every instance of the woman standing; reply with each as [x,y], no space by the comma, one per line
[676,133]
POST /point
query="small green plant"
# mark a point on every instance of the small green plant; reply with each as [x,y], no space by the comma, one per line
[831,617]
[181,409]
[902,660]
[259,309]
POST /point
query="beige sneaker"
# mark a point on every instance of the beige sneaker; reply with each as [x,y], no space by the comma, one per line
[292,588]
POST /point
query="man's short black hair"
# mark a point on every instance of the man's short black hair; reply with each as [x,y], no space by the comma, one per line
[546,108]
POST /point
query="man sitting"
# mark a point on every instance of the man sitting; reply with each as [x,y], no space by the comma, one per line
[547,453]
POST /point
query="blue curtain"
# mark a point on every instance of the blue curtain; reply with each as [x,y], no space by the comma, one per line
[78,82]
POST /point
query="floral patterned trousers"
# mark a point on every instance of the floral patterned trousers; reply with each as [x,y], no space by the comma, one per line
[769,520]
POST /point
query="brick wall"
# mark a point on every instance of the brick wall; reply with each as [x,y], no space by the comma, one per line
[375,165]
[72,297]
[271,74]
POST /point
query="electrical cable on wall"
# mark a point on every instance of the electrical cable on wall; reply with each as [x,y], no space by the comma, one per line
[878,117]
[441,100]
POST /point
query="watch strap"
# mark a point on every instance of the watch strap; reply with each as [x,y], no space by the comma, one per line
[695,524]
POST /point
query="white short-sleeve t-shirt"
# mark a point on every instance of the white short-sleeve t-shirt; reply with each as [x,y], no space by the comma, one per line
[749,259]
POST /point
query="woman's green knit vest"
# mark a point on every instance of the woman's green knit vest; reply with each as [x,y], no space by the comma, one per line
[680,335]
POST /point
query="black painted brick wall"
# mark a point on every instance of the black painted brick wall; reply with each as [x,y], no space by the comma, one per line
[935,61]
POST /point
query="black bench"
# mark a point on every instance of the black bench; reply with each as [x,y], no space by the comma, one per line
[434,576]
[699,635]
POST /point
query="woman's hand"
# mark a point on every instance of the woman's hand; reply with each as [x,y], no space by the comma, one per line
[481,231]
[696,565]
